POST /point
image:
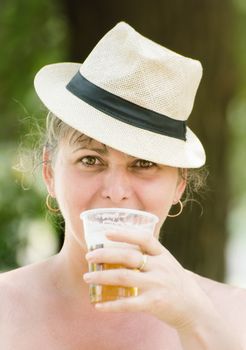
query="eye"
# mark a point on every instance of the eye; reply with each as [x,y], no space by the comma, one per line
[90,161]
[145,164]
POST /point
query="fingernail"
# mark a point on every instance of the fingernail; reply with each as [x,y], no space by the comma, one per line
[87,277]
[89,255]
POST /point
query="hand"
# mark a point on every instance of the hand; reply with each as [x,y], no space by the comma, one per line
[167,290]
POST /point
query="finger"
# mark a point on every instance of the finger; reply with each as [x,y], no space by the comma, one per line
[147,243]
[130,304]
[130,258]
[118,277]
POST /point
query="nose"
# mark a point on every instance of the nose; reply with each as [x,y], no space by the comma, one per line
[117,186]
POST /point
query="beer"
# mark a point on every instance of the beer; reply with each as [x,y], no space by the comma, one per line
[96,223]
[101,293]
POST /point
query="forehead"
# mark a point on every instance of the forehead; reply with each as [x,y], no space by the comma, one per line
[78,139]
[81,141]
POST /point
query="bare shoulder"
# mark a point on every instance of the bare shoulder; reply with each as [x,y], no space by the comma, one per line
[229,300]
[10,285]
[12,298]
[14,284]
[18,286]
[14,279]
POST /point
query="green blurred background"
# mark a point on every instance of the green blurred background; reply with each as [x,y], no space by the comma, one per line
[34,33]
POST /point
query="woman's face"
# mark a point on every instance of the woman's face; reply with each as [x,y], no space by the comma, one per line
[87,174]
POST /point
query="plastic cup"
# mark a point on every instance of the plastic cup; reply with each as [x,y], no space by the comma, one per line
[97,222]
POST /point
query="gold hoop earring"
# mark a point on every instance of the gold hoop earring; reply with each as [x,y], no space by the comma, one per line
[53,210]
[179,212]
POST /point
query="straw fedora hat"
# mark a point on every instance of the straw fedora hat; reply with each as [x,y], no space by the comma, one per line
[131,94]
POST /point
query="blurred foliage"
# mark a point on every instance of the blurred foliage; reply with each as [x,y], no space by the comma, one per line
[32,34]
[237,114]
[16,206]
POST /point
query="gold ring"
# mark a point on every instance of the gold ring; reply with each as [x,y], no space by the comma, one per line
[143,262]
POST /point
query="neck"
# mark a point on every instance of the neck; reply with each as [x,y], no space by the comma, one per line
[71,265]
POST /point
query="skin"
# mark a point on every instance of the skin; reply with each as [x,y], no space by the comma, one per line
[175,309]
[116,179]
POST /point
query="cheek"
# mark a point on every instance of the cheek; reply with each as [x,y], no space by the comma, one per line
[74,192]
[158,197]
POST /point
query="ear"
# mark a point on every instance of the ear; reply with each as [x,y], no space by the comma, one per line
[181,185]
[47,172]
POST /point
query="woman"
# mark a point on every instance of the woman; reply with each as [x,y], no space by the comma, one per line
[117,137]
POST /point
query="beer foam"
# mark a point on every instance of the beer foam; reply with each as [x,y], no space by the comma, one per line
[98,222]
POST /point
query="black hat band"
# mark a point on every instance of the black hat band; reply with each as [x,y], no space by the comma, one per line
[125,111]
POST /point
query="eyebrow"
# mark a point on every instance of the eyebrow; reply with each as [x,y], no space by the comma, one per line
[102,151]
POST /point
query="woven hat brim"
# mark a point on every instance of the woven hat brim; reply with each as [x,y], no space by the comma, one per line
[50,84]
